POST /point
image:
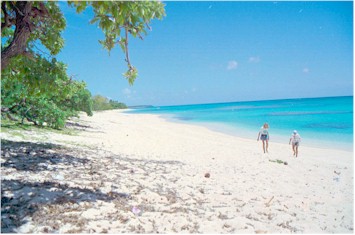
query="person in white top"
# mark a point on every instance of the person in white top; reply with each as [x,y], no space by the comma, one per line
[264,136]
[295,140]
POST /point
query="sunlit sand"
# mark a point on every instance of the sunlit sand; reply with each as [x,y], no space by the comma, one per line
[140,173]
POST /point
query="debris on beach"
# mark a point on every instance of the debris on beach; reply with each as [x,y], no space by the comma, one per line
[269,202]
[136,211]
[207,175]
[278,161]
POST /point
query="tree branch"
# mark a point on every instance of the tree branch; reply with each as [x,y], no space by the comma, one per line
[21,34]
[150,29]
[29,55]
[6,16]
[7,109]
[140,36]
[31,120]
[8,21]
[17,9]
[126,48]
[41,12]
[11,117]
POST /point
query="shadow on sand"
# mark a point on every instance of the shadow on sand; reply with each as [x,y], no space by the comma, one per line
[20,199]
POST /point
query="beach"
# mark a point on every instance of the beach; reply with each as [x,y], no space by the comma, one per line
[139,173]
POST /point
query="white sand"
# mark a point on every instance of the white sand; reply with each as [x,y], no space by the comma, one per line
[246,192]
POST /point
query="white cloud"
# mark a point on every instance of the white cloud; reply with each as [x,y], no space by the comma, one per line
[127,93]
[189,91]
[305,70]
[254,59]
[232,65]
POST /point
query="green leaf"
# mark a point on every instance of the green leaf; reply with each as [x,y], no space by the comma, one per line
[131,75]
[136,14]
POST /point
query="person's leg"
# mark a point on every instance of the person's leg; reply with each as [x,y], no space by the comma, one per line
[267,145]
[263,145]
[293,148]
[296,148]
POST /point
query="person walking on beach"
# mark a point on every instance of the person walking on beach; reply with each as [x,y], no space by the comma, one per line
[295,140]
[264,136]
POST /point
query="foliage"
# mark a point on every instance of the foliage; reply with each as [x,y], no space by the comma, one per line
[43,22]
[48,29]
[46,25]
[38,89]
[25,24]
[103,103]
[118,19]
[42,92]
[117,105]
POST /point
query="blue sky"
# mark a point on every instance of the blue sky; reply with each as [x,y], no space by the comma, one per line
[210,52]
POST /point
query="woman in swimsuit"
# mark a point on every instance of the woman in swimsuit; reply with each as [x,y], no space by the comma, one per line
[264,136]
[295,139]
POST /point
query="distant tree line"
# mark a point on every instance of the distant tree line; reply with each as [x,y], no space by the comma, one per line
[103,103]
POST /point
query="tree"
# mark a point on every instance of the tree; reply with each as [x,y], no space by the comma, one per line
[24,23]
[31,77]
[38,99]
[103,103]
[117,105]
[100,103]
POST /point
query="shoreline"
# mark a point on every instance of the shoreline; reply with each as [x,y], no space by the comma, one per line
[248,134]
[140,173]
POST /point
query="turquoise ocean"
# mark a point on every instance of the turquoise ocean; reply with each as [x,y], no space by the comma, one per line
[321,122]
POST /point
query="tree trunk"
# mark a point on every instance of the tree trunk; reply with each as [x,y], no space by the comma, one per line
[21,35]
[11,117]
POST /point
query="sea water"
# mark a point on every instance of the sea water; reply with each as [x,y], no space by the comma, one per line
[321,122]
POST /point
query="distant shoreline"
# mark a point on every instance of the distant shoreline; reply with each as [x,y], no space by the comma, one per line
[243,119]
[239,101]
